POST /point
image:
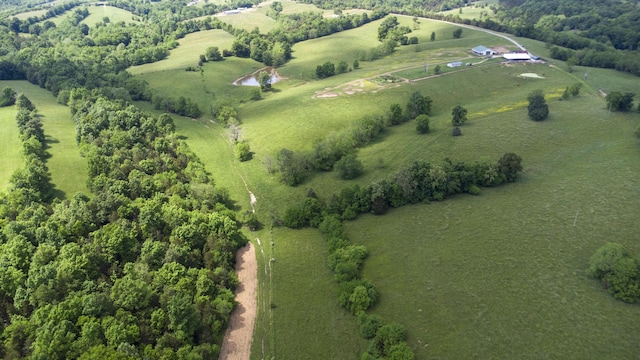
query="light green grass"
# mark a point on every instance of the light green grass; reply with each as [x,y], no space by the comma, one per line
[188,51]
[10,146]
[461,261]
[503,275]
[250,19]
[67,168]
[474,10]
[29,14]
[98,13]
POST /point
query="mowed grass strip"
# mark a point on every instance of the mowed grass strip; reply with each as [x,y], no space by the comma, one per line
[67,168]
[10,146]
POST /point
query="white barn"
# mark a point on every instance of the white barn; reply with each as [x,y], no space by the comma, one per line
[517,56]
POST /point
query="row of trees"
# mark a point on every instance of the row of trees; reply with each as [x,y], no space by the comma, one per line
[422,181]
[355,294]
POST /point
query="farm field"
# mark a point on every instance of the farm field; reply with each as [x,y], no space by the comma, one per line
[98,12]
[67,168]
[499,275]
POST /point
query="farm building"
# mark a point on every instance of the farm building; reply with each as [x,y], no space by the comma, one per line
[517,56]
[454,64]
[483,51]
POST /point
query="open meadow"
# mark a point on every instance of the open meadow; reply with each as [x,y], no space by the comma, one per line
[500,275]
[97,13]
[10,145]
[67,168]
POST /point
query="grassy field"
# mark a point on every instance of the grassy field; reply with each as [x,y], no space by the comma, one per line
[495,276]
[67,168]
[188,51]
[250,19]
[474,10]
[28,14]
[98,13]
[10,146]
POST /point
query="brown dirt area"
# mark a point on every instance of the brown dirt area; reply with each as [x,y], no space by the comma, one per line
[239,335]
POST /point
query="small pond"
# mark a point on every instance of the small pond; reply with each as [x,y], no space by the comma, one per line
[252,79]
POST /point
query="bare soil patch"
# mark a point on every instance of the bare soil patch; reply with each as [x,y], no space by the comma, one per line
[239,335]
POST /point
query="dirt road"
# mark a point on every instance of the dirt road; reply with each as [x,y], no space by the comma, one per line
[237,340]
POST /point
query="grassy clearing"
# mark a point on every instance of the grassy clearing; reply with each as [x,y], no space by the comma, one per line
[504,273]
[188,51]
[67,168]
[471,12]
[250,19]
[445,270]
[98,13]
[29,14]
[10,146]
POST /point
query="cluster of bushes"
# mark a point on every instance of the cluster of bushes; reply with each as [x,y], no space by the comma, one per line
[329,69]
[571,91]
[618,271]
[390,29]
[181,106]
[295,167]
[8,97]
[618,101]
[212,53]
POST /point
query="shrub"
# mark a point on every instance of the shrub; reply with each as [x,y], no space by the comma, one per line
[369,325]
[349,167]
[618,272]
[538,109]
[422,124]
[243,151]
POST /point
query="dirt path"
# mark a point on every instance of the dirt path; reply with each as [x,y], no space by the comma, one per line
[237,339]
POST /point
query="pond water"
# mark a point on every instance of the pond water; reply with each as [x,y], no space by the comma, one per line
[252,80]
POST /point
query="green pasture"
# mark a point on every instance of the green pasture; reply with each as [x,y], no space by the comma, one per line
[29,14]
[250,19]
[98,13]
[503,274]
[473,11]
[500,275]
[188,51]
[67,168]
[10,145]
